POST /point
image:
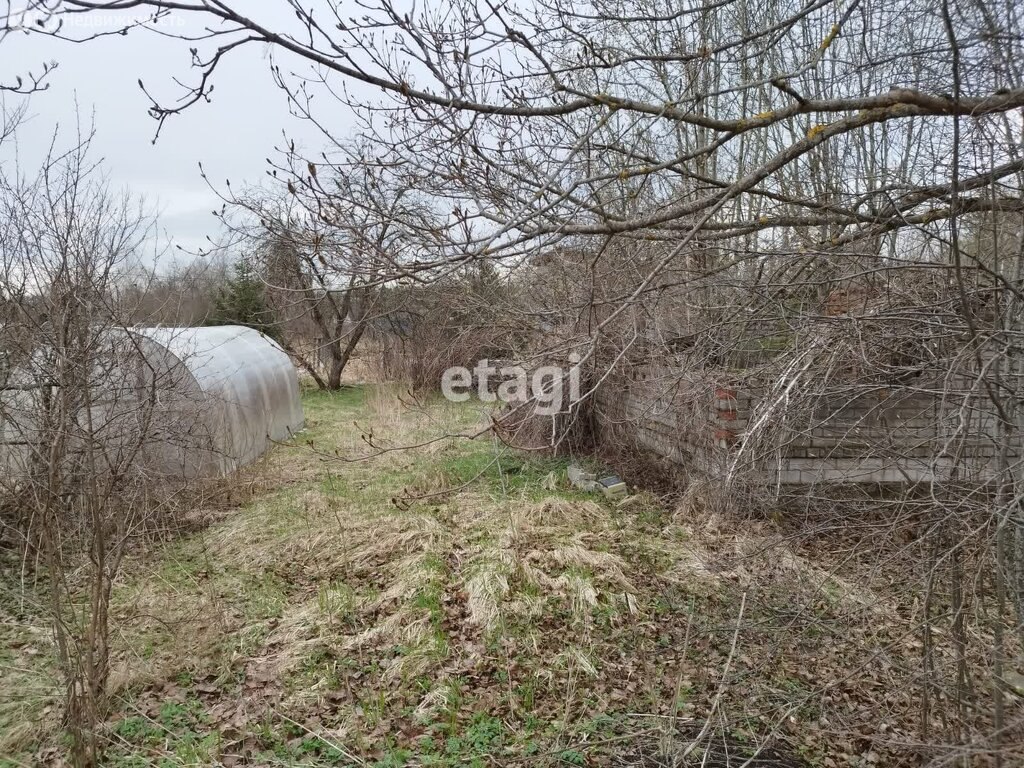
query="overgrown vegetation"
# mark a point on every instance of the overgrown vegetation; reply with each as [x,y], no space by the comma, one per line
[783,244]
[385,613]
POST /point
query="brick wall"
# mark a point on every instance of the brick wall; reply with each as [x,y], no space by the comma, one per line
[715,425]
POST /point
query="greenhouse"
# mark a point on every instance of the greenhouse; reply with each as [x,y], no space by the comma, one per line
[237,389]
[200,402]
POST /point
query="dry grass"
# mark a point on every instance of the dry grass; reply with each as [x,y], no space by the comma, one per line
[511,619]
[28,711]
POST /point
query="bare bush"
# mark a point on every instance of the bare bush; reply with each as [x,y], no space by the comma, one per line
[80,406]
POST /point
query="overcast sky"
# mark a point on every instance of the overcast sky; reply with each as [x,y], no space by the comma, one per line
[231,136]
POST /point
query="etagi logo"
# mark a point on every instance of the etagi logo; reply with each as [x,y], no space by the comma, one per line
[35,16]
[552,388]
[49,16]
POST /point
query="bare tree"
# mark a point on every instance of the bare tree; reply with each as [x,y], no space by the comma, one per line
[78,409]
[324,251]
[181,293]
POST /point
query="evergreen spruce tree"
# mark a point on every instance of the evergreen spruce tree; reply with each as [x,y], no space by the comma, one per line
[243,301]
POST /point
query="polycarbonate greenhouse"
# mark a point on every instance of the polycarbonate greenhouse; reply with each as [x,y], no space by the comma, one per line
[199,402]
[244,389]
